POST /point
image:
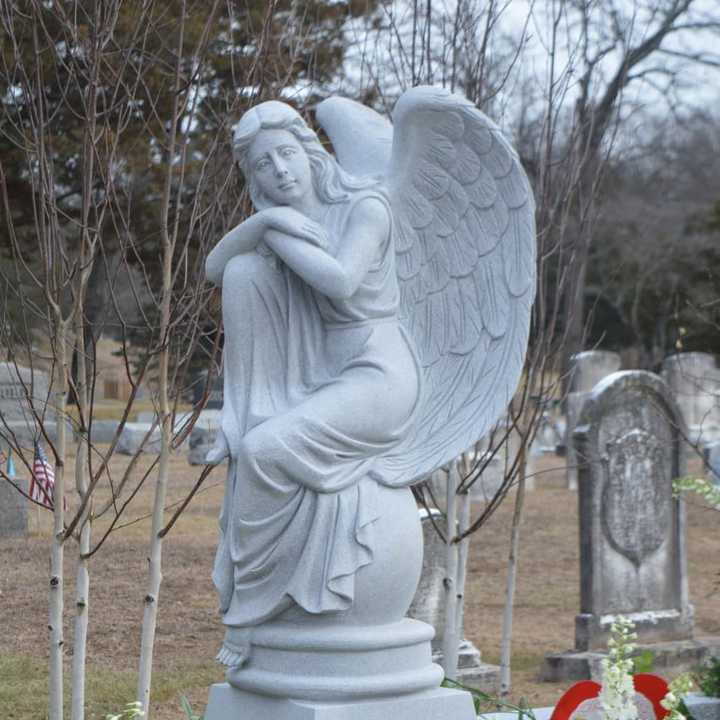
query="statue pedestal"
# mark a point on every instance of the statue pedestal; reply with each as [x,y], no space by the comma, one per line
[229,703]
[339,672]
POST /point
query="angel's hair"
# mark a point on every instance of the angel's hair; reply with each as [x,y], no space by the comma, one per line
[332,184]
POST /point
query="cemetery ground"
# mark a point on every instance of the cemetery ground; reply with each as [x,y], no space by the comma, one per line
[189,629]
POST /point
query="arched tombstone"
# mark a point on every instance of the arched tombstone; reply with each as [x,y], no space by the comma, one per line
[428,606]
[712,460]
[588,369]
[695,379]
[629,443]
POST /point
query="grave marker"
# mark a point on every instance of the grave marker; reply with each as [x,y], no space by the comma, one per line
[588,369]
[629,445]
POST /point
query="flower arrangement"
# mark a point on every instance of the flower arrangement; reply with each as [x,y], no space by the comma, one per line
[618,692]
[673,700]
[617,695]
[132,711]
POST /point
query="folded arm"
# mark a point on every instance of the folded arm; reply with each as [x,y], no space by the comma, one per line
[337,276]
[239,240]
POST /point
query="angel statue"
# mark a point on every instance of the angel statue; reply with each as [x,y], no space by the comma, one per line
[376,310]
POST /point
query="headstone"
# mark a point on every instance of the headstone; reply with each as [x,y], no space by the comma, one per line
[496,455]
[23,390]
[215,396]
[132,436]
[632,530]
[133,433]
[588,369]
[712,460]
[103,431]
[550,436]
[203,436]
[428,606]
[695,379]
[13,506]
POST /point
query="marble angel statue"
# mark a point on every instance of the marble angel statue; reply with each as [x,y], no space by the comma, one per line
[376,311]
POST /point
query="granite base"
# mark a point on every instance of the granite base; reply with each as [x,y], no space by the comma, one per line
[675,656]
[229,703]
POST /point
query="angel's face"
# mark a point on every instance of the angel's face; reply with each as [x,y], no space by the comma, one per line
[280,167]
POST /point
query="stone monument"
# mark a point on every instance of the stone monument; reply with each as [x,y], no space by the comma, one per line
[376,311]
[23,390]
[712,462]
[215,394]
[695,379]
[632,529]
[428,606]
[13,505]
[588,369]
[203,436]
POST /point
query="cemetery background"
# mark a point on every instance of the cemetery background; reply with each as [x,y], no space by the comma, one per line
[547,599]
[562,227]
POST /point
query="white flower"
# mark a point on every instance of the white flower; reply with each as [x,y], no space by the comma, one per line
[617,695]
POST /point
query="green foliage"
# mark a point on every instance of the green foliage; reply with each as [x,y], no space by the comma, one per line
[700,486]
[707,677]
[642,662]
[484,702]
[23,688]
[187,709]
[673,700]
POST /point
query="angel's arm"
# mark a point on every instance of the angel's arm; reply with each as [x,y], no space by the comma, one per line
[239,240]
[341,275]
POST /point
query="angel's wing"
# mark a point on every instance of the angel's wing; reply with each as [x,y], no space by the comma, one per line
[362,139]
[465,250]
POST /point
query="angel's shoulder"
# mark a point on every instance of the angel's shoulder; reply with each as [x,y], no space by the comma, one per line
[370,208]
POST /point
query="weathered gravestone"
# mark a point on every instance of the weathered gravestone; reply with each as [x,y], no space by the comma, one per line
[588,369]
[428,605]
[13,507]
[215,395]
[22,391]
[712,460]
[695,379]
[632,530]
[203,436]
[134,437]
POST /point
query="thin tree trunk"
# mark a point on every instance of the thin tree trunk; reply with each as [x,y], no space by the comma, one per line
[464,524]
[82,601]
[55,619]
[450,638]
[82,582]
[155,571]
[147,643]
[506,642]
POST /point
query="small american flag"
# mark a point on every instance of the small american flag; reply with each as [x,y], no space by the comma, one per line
[42,482]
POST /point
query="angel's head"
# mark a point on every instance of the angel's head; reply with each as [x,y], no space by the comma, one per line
[283,160]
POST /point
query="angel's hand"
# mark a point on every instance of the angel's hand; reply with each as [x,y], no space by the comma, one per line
[291,222]
[219,451]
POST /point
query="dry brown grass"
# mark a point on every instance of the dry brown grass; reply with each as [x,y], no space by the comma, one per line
[189,630]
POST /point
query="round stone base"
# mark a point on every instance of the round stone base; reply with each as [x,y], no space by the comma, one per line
[339,662]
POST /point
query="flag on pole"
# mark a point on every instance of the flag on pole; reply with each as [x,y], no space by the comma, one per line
[10,465]
[42,482]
